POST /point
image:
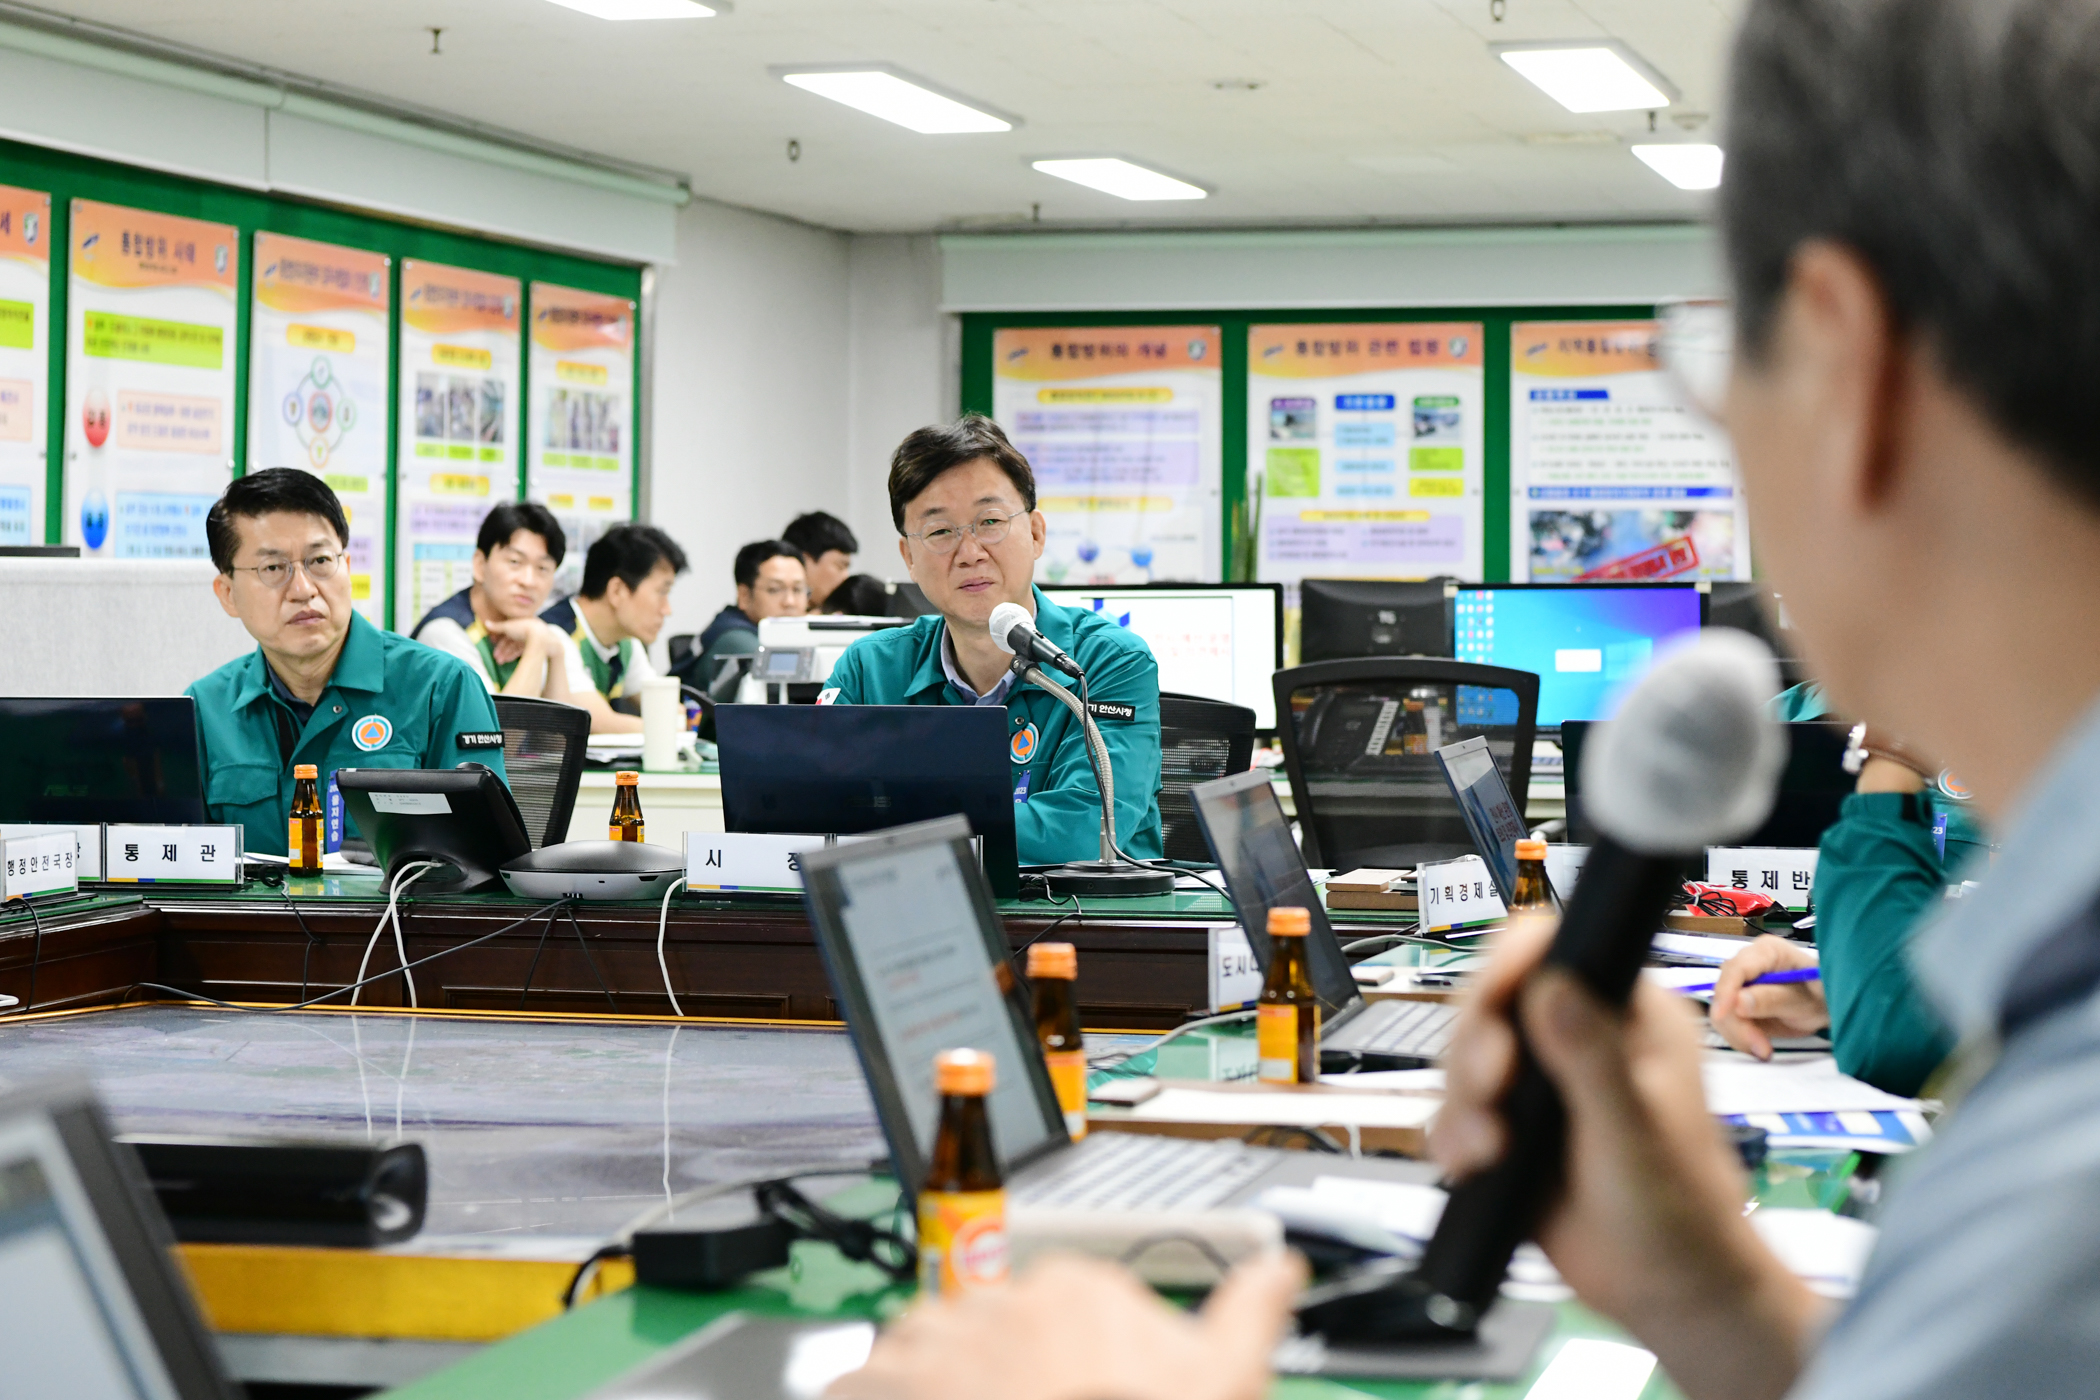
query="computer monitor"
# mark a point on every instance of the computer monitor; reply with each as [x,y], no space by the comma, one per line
[1585,642]
[464,818]
[1752,608]
[845,769]
[1340,618]
[73,760]
[95,1304]
[1222,641]
[1812,787]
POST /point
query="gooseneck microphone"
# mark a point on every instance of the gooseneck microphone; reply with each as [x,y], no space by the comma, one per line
[1692,759]
[1014,632]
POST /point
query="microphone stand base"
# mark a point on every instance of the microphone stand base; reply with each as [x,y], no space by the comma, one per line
[1090,879]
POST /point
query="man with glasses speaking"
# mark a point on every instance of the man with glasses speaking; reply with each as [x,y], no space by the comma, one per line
[963,499]
[323,686]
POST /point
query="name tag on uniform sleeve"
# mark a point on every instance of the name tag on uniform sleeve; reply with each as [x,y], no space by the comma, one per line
[1111,711]
[479,739]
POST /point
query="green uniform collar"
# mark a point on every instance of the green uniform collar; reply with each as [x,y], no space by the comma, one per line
[361,666]
[1054,622]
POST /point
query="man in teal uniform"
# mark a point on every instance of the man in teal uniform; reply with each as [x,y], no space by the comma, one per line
[323,686]
[963,498]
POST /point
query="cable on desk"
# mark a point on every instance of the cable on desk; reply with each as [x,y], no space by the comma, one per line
[1074,912]
[36,952]
[591,962]
[305,959]
[1114,1058]
[663,918]
[401,881]
[1383,940]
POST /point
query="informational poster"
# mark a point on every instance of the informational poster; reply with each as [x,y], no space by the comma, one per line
[1123,428]
[579,437]
[317,374]
[150,363]
[1365,445]
[25,360]
[1613,475]
[460,362]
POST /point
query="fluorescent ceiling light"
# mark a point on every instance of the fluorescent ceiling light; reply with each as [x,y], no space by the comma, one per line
[883,92]
[640,9]
[1689,167]
[1597,76]
[1121,178]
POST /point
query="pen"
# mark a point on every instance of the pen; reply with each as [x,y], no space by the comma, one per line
[1791,974]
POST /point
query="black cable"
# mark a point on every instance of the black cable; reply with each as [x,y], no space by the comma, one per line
[306,959]
[592,962]
[615,1250]
[1043,932]
[36,954]
[860,1240]
[538,948]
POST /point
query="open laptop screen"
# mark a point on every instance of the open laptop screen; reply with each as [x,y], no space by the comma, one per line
[1491,814]
[919,962]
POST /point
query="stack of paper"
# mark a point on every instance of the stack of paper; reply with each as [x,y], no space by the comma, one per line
[1809,1103]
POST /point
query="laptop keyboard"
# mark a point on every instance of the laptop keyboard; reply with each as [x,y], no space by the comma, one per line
[1411,1028]
[1138,1171]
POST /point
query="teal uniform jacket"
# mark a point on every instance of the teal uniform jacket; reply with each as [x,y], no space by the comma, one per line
[1878,875]
[392,703]
[1057,808]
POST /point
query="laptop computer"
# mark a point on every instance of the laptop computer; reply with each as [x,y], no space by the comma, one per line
[846,769]
[1490,813]
[95,1306]
[1250,838]
[919,963]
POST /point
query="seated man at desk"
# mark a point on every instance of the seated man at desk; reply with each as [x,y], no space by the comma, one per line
[494,625]
[963,499]
[770,582]
[615,616]
[827,546]
[323,686]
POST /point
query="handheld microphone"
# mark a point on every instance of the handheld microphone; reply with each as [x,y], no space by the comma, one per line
[1691,760]
[1014,631]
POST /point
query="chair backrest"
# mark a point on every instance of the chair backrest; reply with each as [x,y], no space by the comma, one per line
[543,743]
[682,649]
[1358,741]
[1199,740]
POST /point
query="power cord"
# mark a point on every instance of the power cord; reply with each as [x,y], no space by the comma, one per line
[403,878]
[1114,1058]
[663,919]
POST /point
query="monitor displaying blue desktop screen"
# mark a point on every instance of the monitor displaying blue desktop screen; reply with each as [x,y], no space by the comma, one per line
[1586,643]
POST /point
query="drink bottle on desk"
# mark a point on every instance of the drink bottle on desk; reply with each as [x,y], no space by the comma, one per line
[1534,890]
[1287,1018]
[303,843]
[1053,969]
[962,1206]
[627,807]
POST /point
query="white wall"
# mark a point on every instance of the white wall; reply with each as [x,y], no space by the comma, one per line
[903,372]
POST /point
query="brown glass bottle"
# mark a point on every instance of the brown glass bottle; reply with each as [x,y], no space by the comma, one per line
[1053,969]
[962,1203]
[303,842]
[1287,1018]
[1534,890]
[627,808]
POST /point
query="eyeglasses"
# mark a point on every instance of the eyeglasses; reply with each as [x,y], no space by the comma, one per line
[783,590]
[946,539]
[1697,349]
[278,572]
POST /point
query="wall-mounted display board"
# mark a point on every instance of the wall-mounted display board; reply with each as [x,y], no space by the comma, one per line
[1123,428]
[460,365]
[25,368]
[317,386]
[1614,476]
[151,332]
[1366,440]
[579,452]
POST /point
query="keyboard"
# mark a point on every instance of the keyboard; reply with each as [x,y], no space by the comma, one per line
[1137,1171]
[1421,1028]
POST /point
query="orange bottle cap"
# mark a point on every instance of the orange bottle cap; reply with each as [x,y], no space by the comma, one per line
[1289,921]
[1053,960]
[963,1072]
[624,779]
[306,770]
[1531,850]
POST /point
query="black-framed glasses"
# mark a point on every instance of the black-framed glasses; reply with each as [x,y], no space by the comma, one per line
[278,572]
[946,539]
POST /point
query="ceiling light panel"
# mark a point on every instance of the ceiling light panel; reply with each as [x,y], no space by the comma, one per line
[1685,165]
[882,91]
[1121,178]
[1590,76]
[639,9]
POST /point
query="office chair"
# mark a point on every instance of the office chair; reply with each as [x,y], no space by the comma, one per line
[682,649]
[1358,737]
[543,743]
[1199,740]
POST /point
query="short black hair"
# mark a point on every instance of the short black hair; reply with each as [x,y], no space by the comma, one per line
[859,595]
[265,493]
[629,553]
[817,533]
[755,554]
[507,519]
[928,454]
[1950,144]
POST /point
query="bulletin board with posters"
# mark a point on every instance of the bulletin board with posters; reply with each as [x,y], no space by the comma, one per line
[579,443]
[25,370]
[1123,428]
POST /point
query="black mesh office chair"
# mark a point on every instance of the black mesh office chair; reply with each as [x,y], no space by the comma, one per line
[1199,740]
[543,743]
[1357,741]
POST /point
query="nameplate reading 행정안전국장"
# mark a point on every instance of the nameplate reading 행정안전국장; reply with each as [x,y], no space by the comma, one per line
[1786,873]
[43,862]
[87,839]
[208,855]
[1457,894]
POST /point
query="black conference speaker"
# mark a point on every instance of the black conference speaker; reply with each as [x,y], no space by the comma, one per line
[345,1195]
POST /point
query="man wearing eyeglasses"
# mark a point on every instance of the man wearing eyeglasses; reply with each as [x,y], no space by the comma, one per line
[963,499]
[323,686]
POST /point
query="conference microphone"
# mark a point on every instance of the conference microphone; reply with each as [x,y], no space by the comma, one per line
[1691,760]
[1014,630]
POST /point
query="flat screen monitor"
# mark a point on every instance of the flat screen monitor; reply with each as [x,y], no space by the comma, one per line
[463,818]
[1585,642]
[1812,787]
[78,760]
[1340,617]
[1222,641]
